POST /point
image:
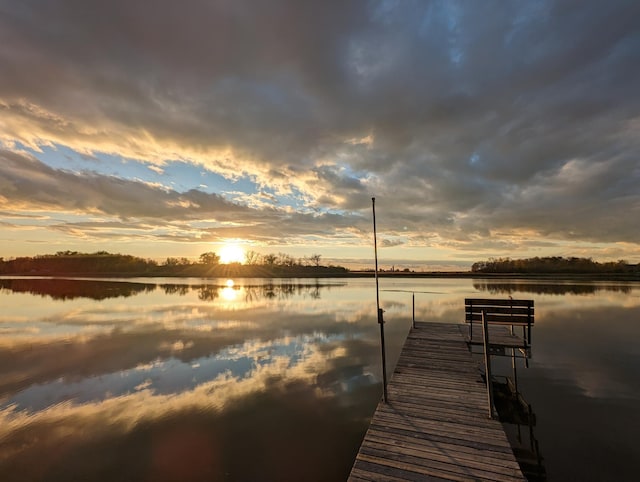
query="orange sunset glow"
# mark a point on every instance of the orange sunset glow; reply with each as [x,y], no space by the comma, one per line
[513,134]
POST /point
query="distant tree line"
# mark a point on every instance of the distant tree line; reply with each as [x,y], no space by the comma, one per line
[553,264]
[100,262]
[208,264]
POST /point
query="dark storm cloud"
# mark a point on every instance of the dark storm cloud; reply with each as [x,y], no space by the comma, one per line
[465,119]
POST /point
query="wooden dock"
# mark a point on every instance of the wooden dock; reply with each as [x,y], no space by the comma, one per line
[435,425]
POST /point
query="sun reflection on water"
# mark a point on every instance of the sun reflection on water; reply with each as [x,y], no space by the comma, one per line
[136,360]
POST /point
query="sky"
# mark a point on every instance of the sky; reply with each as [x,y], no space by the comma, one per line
[483,129]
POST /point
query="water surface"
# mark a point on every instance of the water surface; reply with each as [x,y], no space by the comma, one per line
[165,379]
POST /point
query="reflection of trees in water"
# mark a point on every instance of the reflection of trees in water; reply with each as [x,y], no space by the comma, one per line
[208,293]
[175,289]
[548,288]
[67,289]
[281,291]
[270,291]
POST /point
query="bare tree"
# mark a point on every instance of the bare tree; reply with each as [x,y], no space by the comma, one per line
[252,257]
[209,258]
[315,259]
[269,259]
[285,259]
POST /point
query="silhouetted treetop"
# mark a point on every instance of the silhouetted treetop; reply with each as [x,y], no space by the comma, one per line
[552,264]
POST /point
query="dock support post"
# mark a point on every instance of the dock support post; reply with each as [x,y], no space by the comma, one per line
[384,357]
[471,322]
[487,364]
[514,366]
[413,302]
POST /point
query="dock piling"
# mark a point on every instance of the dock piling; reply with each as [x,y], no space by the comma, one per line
[487,365]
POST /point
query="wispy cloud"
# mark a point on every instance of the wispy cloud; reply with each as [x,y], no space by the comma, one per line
[133,208]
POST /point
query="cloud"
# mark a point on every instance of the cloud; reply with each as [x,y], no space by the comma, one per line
[463,124]
[131,208]
[27,182]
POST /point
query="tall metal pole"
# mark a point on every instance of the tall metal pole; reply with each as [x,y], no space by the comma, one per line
[380,318]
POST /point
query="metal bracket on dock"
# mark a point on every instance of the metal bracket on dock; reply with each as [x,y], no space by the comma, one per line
[496,350]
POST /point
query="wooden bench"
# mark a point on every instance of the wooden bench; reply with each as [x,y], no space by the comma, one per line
[508,314]
[505,312]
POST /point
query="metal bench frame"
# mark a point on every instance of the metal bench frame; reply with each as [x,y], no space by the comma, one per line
[500,312]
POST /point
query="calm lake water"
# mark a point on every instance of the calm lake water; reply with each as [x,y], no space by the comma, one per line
[275,380]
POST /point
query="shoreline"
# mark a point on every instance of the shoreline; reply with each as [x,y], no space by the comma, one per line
[345,275]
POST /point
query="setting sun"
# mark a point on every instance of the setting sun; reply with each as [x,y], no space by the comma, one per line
[231,253]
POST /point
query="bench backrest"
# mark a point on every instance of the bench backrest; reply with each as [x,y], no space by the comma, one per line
[507,312]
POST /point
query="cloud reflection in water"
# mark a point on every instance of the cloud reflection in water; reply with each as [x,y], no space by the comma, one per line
[180,382]
[99,376]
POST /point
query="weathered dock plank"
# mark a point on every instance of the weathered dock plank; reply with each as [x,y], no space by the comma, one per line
[434,425]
